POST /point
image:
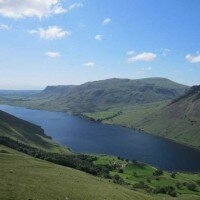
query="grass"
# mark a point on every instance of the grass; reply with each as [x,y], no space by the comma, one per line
[24,178]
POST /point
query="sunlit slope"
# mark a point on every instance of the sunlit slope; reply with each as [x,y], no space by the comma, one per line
[24,177]
[26,133]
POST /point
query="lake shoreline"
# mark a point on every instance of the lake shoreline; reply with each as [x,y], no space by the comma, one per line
[81,115]
[138,130]
[95,138]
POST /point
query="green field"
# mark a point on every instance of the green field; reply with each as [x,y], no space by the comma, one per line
[140,176]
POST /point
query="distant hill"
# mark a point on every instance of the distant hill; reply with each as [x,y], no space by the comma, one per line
[27,133]
[105,94]
[19,92]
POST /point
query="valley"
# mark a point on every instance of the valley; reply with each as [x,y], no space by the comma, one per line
[59,167]
[143,104]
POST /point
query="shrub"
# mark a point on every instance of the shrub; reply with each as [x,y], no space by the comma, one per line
[158,172]
[140,185]
[149,180]
[121,171]
[135,174]
[173,193]
[191,186]
[173,174]
[170,190]
[117,179]
[198,182]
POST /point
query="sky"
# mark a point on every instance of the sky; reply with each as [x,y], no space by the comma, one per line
[61,42]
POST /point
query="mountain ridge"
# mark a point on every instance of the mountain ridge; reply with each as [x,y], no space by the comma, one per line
[104,94]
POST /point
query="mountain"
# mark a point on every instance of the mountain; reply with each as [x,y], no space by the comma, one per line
[26,133]
[178,120]
[181,118]
[105,94]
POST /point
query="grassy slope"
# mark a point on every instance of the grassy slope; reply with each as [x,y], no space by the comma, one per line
[179,122]
[24,177]
[27,133]
[129,117]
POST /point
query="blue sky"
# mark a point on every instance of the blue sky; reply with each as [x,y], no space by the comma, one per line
[52,42]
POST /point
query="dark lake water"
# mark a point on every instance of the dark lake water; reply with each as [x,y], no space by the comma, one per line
[82,135]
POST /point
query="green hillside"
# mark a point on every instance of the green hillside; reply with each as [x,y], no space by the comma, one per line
[26,133]
[102,95]
[178,120]
[24,177]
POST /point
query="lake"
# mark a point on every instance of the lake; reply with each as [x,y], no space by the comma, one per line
[82,135]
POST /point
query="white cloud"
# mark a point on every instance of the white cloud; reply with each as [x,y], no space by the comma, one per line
[33,8]
[98,37]
[5,27]
[106,21]
[145,56]
[193,59]
[51,33]
[59,8]
[52,54]
[89,64]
